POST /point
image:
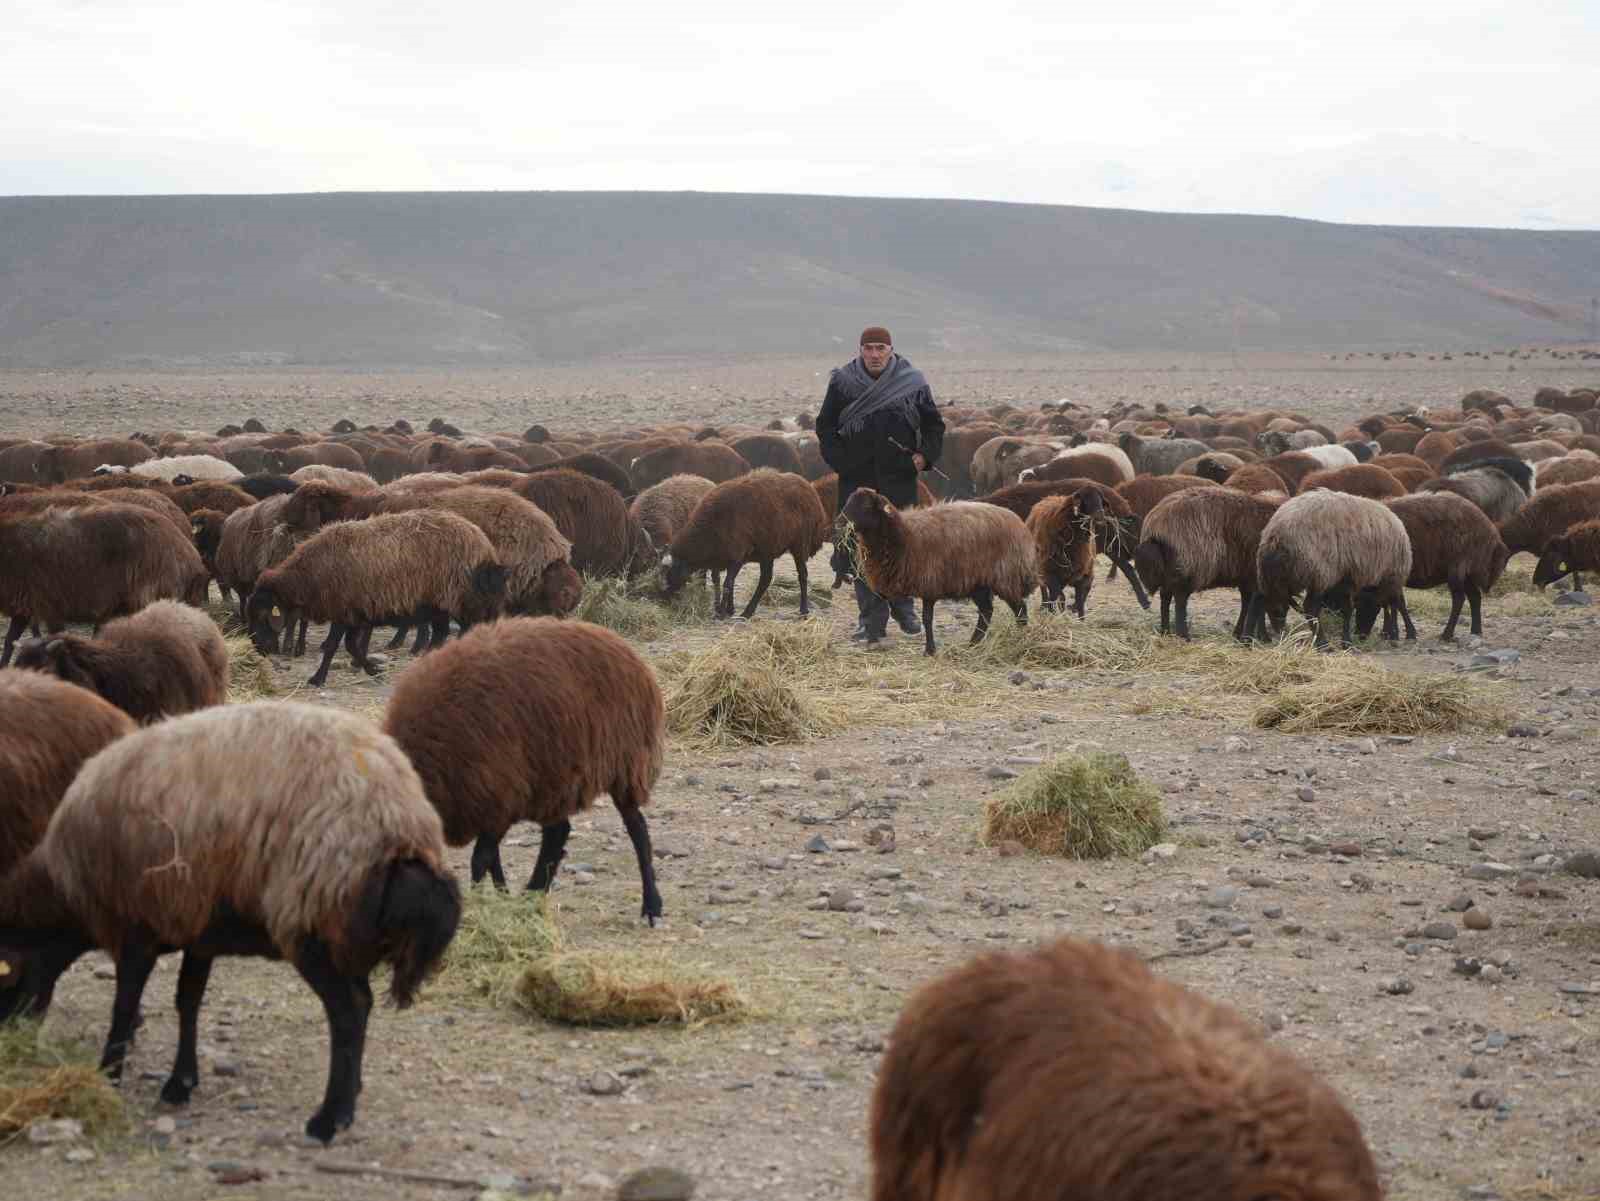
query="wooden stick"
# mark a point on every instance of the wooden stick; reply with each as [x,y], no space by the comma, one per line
[1186,952]
[334,1167]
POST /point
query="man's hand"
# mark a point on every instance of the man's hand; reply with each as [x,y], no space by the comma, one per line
[919,461]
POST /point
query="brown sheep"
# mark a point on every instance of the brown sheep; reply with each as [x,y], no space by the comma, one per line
[663,510]
[1486,448]
[827,487]
[602,468]
[713,460]
[769,450]
[19,463]
[956,550]
[1570,469]
[1391,462]
[421,565]
[1548,515]
[1363,479]
[529,719]
[91,563]
[1453,544]
[1577,550]
[594,517]
[1200,539]
[961,444]
[328,454]
[166,659]
[1116,530]
[343,477]
[48,730]
[1063,529]
[62,463]
[755,518]
[209,494]
[272,829]
[1145,492]
[1000,460]
[1293,467]
[1100,468]
[1154,1093]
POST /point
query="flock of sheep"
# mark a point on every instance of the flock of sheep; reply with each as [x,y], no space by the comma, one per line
[142,815]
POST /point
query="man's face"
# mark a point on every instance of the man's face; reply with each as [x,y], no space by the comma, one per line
[875,356]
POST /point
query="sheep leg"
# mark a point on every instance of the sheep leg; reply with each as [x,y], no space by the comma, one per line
[363,637]
[192,978]
[1182,605]
[805,584]
[1080,596]
[984,599]
[1475,598]
[300,637]
[1577,582]
[424,633]
[440,633]
[343,1009]
[362,988]
[1244,612]
[552,848]
[927,625]
[1458,597]
[1347,612]
[399,638]
[1132,577]
[136,959]
[1166,610]
[1019,610]
[486,858]
[19,622]
[1405,616]
[330,647]
[1313,612]
[639,835]
[724,607]
[763,582]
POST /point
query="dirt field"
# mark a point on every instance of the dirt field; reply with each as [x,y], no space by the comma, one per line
[1465,1087]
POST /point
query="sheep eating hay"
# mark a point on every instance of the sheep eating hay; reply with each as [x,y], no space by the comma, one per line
[1074,1072]
[270,829]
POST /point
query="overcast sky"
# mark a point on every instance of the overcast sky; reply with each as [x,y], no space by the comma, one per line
[1475,112]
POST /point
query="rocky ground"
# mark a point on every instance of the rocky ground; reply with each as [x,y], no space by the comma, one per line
[1394,909]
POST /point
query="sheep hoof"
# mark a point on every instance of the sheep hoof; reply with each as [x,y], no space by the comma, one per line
[176,1091]
[323,1125]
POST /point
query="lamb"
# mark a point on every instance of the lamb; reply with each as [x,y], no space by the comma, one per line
[960,549]
[1200,539]
[48,730]
[1452,543]
[529,719]
[1549,515]
[718,463]
[1577,550]
[1063,537]
[424,564]
[166,659]
[196,467]
[1154,1092]
[1331,546]
[1363,479]
[592,516]
[1160,456]
[754,518]
[91,563]
[272,829]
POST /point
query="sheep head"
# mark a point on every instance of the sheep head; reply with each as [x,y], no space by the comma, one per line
[560,589]
[58,655]
[867,510]
[1553,563]
[265,619]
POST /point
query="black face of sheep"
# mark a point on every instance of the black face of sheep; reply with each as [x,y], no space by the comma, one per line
[344,426]
[54,656]
[265,619]
[560,590]
[29,969]
[254,426]
[487,598]
[1553,565]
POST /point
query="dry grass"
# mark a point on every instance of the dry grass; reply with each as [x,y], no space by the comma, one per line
[43,1078]
[1083,806]
[249,672]
[637,609]
[1354,695]
[500,935]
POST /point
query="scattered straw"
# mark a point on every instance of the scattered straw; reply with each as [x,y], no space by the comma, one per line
[42,1078]
[607,602]
[1355,695]
[249,672]
[720,699]
[500,935]
[1089,806]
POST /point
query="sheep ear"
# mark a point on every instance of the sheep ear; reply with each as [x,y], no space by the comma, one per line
[1090,501]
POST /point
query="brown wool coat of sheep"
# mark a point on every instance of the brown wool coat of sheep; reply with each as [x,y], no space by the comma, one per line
[1570,469]
[1548,514]
[62,463]
[353,481]
[254,539]
[1452,544]
[768,450]
[593,516]
[1063,530]
[1363,479]
[1100,468]
[663,510]
[1199,539]
[1576,551]
[166,659]
[48,730]
[209,494]
[1292,467]
[600,467]
[1145,492]
[530,719]
[718,463]
[1154,1093]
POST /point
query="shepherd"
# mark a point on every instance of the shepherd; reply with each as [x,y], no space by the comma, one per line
[878,428]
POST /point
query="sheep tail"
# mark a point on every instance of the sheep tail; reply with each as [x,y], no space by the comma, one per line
[413,911]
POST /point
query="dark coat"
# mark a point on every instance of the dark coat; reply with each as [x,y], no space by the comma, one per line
[871,459]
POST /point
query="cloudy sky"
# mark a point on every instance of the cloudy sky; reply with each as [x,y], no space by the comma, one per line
[1475,112]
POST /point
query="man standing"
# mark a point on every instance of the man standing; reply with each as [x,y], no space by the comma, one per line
[878,428]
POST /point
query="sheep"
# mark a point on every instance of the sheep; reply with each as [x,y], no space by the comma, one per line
[264,485]
[1363,479]
[1145,492]
[196,467]
[999,460]
[424,564]
[598,466]
[91,563]
[273,829]
[529,719]
[19,463]
[958,457]
[753,518]
[1548,515]
[1254,478]
[351,481]
[1452,543]
[1470,454]
[718,463]
[1115,529]
[330,454]
[1278,441]
[1492,490]
[1331,546]
[168,658]
[1073,1070]
[663,509]
[250,540]
[48,730]
[594,517]
[1520,472]
[61,463]
[1577,550]
[769,450]
[1100,468]
[208,494]
[959,549]
[1200,539]
[827,487]
[1217,459]
[1159,456]
[1573,468]
[1063,537]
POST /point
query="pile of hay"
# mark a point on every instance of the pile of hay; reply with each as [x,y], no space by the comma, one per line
[1354,695]
[608,602]
[1083,806]
[500,934]
[43,1079]
[720,698]
[249,671]
[1051,642]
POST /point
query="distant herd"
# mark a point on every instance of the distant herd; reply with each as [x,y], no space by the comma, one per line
[142,814]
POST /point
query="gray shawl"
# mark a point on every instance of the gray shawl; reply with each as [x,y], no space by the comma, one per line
[895,389]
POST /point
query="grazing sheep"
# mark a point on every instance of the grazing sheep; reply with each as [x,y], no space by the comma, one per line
[1160,456]
[1293,467]
[1279,441]
[827,487]
[1470,454]
[1000,459]
[1331,546]
[663,510]
[59,464]
[264,485]
[1145,492]
[1363,479]
[1100,468]
[166,659]
[529,719]
[19,463]
[1116,529]
[1152,1091]
[196,467]
[755,518]
[1255,478]
[594,517]
[208,494]
[1199,539]
[713,460]
[956,550]
[1063,529]
[1495,492]
[1549,515]
[281,830]
[343,477]
[1392,462]
[91,563]
[1452,543]
[600,467]
[328,454]
[1573,468]
[769,450]
[423,565]
[48,730]
[1575,551]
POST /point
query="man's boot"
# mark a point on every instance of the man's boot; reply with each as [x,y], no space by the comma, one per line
[905,615]
[874,610]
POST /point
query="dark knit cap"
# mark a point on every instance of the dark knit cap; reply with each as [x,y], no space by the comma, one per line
[876,333]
